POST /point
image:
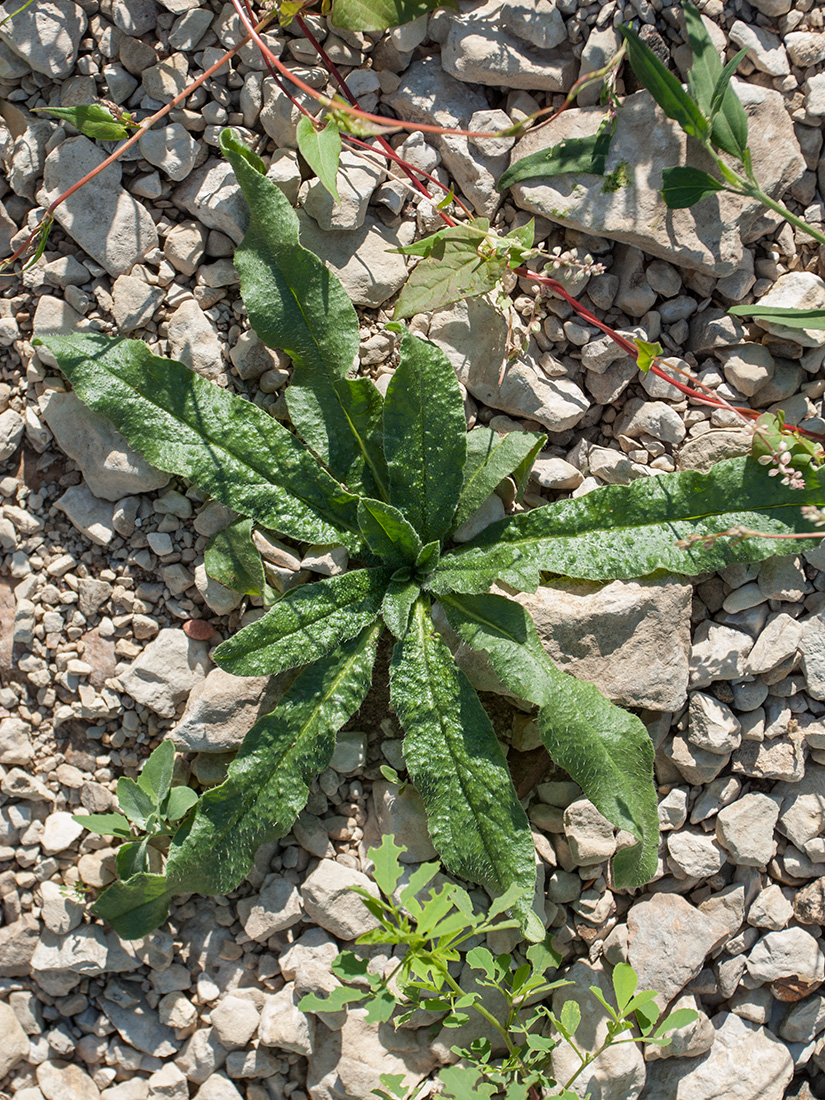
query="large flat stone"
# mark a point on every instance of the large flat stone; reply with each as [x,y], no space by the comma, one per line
[626,204]
[222,709]
[45,34]
[108,223]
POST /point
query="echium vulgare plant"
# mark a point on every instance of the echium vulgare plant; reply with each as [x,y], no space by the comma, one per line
[391,479]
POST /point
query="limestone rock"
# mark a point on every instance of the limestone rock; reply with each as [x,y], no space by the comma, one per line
[328,900]
[166,671]
[745,829]
[222,709]
[193,340]
[15,1045]
[45,35]
[283,1025]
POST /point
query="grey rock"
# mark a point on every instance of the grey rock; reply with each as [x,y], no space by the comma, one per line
[361,258]
[746,1062]
[804,1021]
[216,596]
[18,942]
[139,1026]
[693,854]
[202,1055]
[218,1087]
[172,149]
[764,48]
[59,1081]
[701,452]
[400,813]
[222,709]
[745,829]
[777,642]
[486,46]
[591,837]
[687,1041]
[25,159]
[357,179]
[802,810]
[235,1020]
[185,245]
[805,48]
[62,961]
[15,1041]
[11,432]
[795,290]
[789,953]
[328,900]
[213,196]
[111,469]
[770,909]
[60,913]
[631,209]
[748,366]
[105,220]
[610,635]
[15,741]
[712,725]
[668,942]
[275,908]
[134,302]
[166,671]
[193,340]
[717,653]
[284,1026]
[90,515]
[45,35]
[307,961]
[781,758]
[812,649]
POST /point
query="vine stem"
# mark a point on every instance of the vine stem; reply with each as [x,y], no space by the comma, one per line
[146,125]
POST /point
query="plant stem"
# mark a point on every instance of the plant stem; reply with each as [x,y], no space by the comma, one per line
[772,204]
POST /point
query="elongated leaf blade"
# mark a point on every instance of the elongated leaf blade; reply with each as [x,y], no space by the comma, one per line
[425,434]
[92,119]
[232,560]
[456,266]
[490,458]
[458,768]
[234,451]
[321,149]
[683,186]
[706,67]
[306,624]
[606,750]
[156,777]
[624,531]
[388,533]
[380,15]
[134,801]
[136,907]
[664,86]
[707,79]
[268,782]
[296,304]
[398,602]
[781,315]
[580,155]
[104,824]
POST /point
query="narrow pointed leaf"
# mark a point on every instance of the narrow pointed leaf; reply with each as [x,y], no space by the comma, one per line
[425,433]
[782,315]
[388,533]
[234,451]
[134,801]
[156,777]
[681,1017]
[605,749]
[231,559]
[706,66]
[306,624]
[380,15]
[625,531]
[664,86]
[457,765]
[490,458]
[321,149]
[296,304]
[268,782]
[104,824]
[398,602]
[580,155]
[682,187]
[708,80]
[92,119]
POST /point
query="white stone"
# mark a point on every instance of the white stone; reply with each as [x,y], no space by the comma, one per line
[275,908]
[60,832]
[329,901]
[166,671]
[284,1026]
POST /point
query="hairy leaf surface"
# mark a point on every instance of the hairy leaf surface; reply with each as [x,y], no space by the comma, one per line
[398,601]
[425,438]
[234,451]
[92,119]
[584,154]
[309,622]
[625,531]
[268,782]
[490,458]
[232,559]
[296,304]
[136,907]
[605,749]
[458,767]
[388,533]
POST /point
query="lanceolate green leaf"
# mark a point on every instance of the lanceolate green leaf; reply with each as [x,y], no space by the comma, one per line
[458,768]
[295,304]
[456,266]
[490,458]
[380,15]
[605,749]
[306,624]
[225,445]
[664,86]
[268,782]
[92,119]
[425,438]
[398,601]
[156,777]
[388,533]
[232,560]
[321,149]
[730,123]
[683,186]
[584,154]
[624,531]
[785,316]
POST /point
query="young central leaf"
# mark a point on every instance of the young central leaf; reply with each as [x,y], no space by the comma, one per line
[425,438]
[387,533]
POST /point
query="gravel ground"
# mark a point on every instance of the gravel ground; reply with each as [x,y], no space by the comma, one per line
[101,557]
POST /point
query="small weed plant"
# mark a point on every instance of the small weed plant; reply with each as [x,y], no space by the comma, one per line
[391,479]
[430,937]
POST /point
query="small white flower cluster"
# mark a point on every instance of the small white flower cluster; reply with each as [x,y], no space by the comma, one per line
[781,465]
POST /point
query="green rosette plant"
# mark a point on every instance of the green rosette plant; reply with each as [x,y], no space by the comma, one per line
[391,479]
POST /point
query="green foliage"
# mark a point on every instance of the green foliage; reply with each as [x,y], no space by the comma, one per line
[95,121]
[585,154]
[151,806]
[391,480]
[789,318]
[321,149]
[434,932]
[664,86]
[683,186]
[380,15]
